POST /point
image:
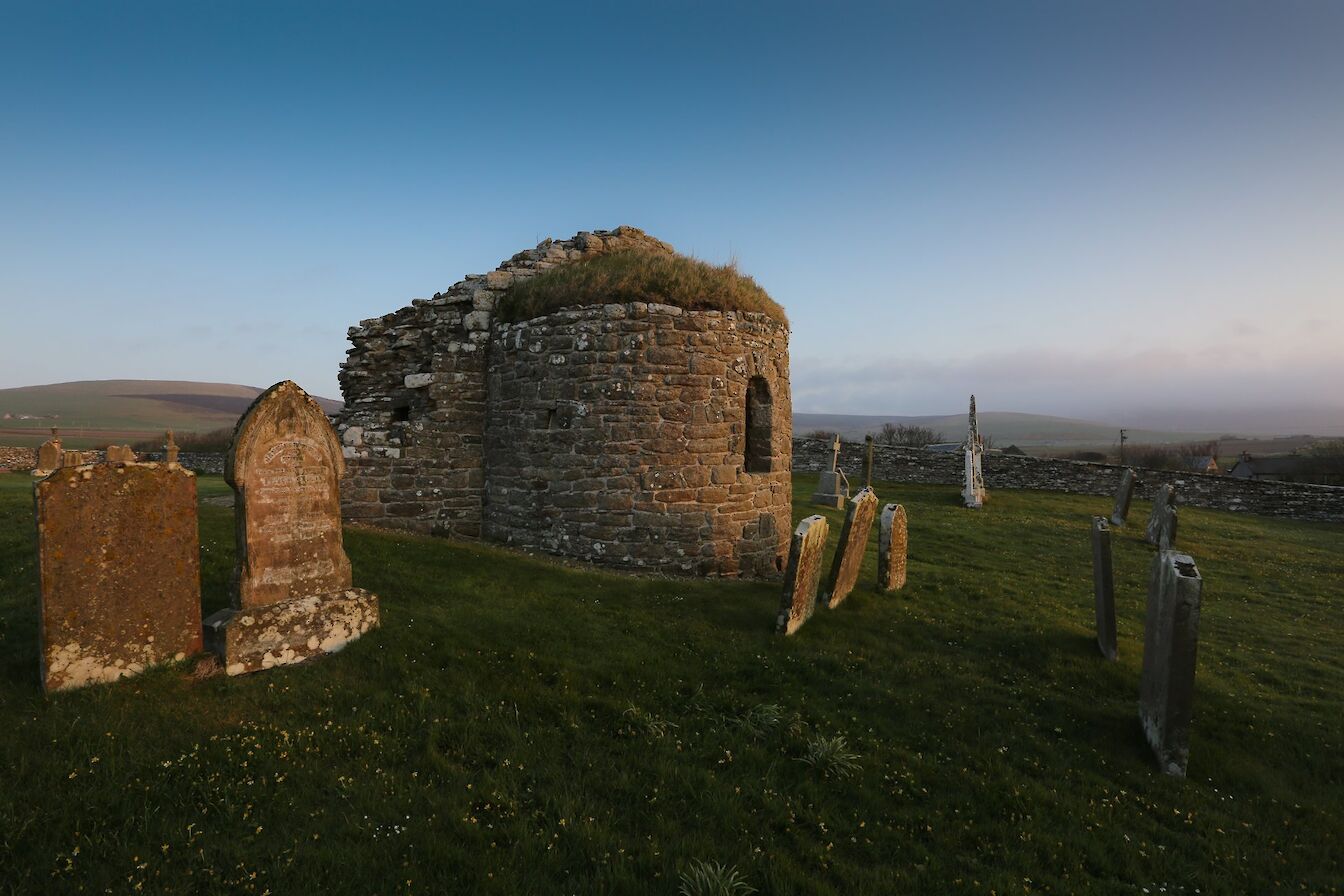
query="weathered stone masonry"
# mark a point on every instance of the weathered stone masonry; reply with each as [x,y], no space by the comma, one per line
[1282,499]
[631,434]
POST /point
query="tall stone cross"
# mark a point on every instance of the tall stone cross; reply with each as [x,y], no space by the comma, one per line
[974,494]
[835,453]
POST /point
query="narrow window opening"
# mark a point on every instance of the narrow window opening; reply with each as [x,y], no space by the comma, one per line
[401,412]
[759,451]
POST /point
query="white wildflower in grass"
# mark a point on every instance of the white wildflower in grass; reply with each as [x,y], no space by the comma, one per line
[831,756]
[701,878]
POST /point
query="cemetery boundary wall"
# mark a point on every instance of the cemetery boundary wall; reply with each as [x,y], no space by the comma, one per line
[1011,471]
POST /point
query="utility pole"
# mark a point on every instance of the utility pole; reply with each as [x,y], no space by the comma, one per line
[1123,437]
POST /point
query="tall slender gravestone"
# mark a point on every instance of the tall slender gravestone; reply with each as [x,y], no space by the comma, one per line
[1103,586]
[853,542]
[891,548]
[803,575]
[1170,641]
[832,486]
[119,570]
[868,460]
[1164,499]
[1123,495]
[292,594]
[973,495]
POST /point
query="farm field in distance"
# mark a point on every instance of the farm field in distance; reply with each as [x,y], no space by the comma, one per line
[523,725]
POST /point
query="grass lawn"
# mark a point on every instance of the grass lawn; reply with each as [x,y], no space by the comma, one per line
[518,726]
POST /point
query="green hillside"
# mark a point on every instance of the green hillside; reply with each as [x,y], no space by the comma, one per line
[523,726]
[93,413]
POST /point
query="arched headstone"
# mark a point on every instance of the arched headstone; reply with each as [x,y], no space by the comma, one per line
[292,593]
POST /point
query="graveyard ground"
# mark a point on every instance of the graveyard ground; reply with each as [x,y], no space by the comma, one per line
[518,726]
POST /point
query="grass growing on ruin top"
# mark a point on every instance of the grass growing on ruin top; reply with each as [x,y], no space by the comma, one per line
[634,276]
[521,726]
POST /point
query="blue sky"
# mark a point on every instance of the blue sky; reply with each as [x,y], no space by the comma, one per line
[1075,208]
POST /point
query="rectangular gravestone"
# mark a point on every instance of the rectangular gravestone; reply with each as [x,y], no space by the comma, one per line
[1170,642]
[853,542]
[119,570]
[1103,587]
[892,540]
[1123,495]
[1163,499]
[292,597]
[803,575]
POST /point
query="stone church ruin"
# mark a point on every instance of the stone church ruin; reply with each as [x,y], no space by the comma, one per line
[617,424]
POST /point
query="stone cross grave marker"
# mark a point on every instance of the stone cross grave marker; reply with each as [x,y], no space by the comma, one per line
[803,575]
[973,494]
[832,486]
[853,542]
[1123,495]
[1103,588]
[1163,500]
[169,449]
[292,594]
[119,571]
[891,548]
[1170,642]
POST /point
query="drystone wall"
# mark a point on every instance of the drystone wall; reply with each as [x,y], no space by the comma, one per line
[1009,471]
[642,436]
[414,382]
[17,458]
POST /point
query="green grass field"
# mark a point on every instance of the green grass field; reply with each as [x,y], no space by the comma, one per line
[518,726]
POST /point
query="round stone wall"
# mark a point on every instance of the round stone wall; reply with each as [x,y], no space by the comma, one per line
[642,436]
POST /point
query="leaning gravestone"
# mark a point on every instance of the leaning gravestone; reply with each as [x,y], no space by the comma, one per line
[1170,641]
[853,541]
[292,591]
[1163,500]
[803,575]
[119,570]
[891,548]
[1123,495]
[1166,531]
[1103,587]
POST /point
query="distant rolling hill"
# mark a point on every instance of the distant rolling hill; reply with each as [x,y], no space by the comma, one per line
[1024,430]
[93,413]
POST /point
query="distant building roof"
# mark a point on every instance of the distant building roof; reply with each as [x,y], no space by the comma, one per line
[1013,449]
[1205,464]
[1264,467]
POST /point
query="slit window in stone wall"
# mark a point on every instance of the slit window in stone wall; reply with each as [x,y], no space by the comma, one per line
[759,453]
[401,412]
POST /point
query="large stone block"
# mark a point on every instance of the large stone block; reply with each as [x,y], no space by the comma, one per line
[853,543]
[1103,588]
[290,631]
[292,585]
[1170,643]
[803,575]
[119,570]
[892,541]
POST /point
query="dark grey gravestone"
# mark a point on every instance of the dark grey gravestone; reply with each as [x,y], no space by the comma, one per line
[1103,586]
[1123,496]
[1163,499]
[1170,641]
